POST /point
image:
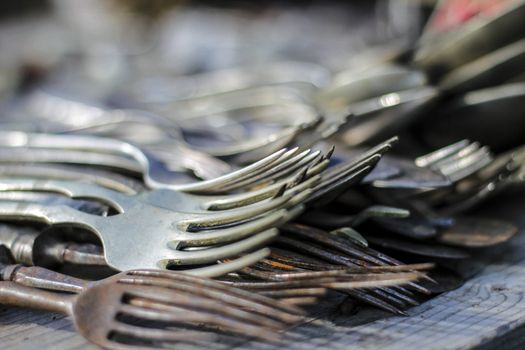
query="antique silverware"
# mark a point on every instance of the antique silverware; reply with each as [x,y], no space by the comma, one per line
[157,235]
[146,295]
[155,174]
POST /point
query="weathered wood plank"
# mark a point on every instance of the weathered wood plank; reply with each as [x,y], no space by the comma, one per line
[487,312]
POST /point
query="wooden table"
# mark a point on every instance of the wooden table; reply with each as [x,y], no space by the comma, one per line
[488,312]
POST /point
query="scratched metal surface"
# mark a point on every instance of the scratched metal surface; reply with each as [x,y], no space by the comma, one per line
[487,312]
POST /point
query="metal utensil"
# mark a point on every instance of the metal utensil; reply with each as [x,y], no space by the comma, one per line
[146,295]
[169,232]
[155,173]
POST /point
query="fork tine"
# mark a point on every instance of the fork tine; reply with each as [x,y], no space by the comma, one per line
[465,151]
[372,300]
[288,157]
[262,166]
[399,295]
[330,241]
[213,294]
[379,280]
[388,298]
[330,192]
[341,260]
[228,234]
[430,158]
[341,282]
[342,177]
[190,301]
[211,185]
[226,267]
[238,215]
[265,192]
[295,292]
[152,312]
[211,284]
[300,300]
[213,254]
[468,164]
[220,219]
[302,159]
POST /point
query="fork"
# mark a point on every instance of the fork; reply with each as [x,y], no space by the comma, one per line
[125,237]
[169,134]
[155,173]
[271,181]
[99,310]
[32,246]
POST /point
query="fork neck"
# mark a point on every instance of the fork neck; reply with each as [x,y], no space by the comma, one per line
[18,295]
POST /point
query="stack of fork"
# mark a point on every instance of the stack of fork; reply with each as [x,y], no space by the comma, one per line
[237,179]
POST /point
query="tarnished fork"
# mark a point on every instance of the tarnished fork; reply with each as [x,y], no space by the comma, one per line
[155,173]
[325,184]
[285,279]
[168,305]
[457,161]
[175,200]
[33,246]
[142,235]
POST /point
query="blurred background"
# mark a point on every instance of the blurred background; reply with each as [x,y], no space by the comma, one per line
[449,66]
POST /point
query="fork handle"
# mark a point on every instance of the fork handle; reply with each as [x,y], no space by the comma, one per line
[50,214]
[18,295]
[39,277]
[72,189]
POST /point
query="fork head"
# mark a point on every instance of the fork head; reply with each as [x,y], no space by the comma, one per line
[152,307]
[142,235]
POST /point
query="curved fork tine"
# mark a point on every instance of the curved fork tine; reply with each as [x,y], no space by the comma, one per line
[229,234]
[241,214]
[327,183]
[452,158]
[213,254]
[213,294]
[399,295]
[211,186]
[379,280]
[238,232]
[219,286]
[331,175]
[251,197]
[337,187]
[234,265]
[301,160]
[154,312]
[467,165]
[380,150]
[191,300]
[442,153]
[372,300]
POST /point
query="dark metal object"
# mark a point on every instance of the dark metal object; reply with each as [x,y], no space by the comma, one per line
[427,250]
[475,232]
[169,297]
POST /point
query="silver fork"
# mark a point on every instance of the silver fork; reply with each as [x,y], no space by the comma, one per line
[331,181]
[155,173]
[438,169]
[32,246]
[181,201]
[172,235]
[457,161]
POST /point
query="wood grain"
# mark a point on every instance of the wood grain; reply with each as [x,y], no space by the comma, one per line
[488,312]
